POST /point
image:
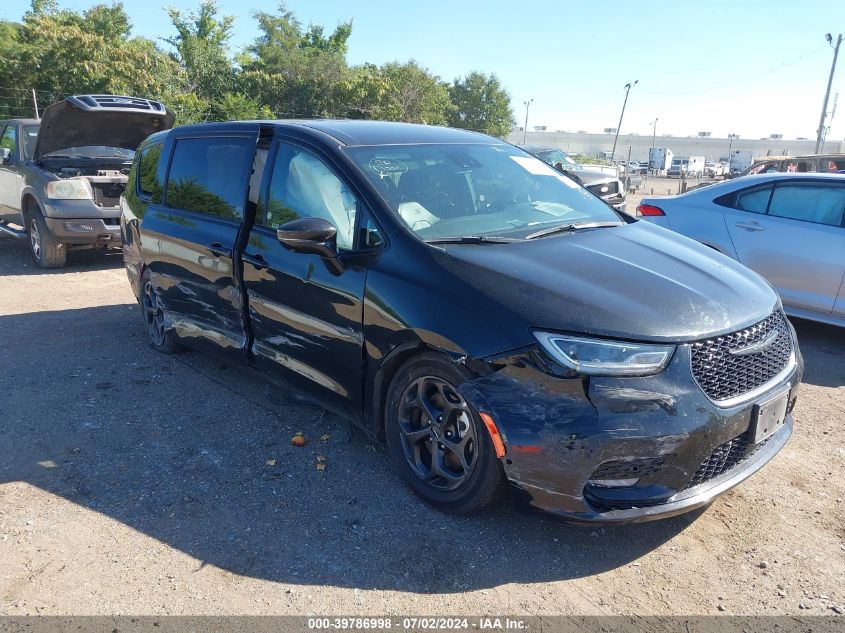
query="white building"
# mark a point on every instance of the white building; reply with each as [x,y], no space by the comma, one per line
[711,148]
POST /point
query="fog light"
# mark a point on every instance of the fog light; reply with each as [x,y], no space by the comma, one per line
[79,227]
[613,483]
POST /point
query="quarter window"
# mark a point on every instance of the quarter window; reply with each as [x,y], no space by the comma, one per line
[820,204]
[754,200]
[302,186]
[148,181]
[209,175]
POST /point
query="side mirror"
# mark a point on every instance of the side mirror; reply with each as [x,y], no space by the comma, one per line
[5,155]
[309,235]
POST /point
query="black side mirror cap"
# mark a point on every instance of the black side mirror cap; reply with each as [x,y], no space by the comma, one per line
[309,235]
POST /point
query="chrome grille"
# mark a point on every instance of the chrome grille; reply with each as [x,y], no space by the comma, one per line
[729,366]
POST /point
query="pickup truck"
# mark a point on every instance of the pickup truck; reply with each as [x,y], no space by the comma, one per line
[61,177]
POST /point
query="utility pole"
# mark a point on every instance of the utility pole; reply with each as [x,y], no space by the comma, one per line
[527,104]
[624,103]
[830,121]
[731,138]
[827,93]
[35,104]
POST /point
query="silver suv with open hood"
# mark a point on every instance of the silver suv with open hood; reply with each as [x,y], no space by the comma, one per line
[606,186]
[63,190]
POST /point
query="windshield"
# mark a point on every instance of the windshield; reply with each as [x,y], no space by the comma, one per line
[93,151]
[480,190]
[555,156]
[30,135]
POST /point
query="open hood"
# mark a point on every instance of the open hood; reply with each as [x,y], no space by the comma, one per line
[107,120]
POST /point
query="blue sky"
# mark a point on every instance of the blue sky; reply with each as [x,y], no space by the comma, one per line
[748,67]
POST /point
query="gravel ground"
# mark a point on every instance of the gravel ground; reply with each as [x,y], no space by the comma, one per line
[137,483]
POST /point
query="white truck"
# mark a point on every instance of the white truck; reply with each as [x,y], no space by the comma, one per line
[740,161]
[660,158]
[686,167]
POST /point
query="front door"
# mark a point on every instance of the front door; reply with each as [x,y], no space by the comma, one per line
[11,182]
[189,240]
[792,234]
[306,314]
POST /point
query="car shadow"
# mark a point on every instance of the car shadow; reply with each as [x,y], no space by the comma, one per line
[16,252]
[196,452]
[825,345]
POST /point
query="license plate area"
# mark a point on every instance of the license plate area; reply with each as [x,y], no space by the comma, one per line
[767,417]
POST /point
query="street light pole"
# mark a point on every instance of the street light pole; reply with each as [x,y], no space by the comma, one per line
[827,93]
[653,136]
[653,132]
[527,104]
[618,127]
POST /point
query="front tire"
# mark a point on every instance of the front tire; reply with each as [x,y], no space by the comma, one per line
[159,336]
[436,440]
[46,250]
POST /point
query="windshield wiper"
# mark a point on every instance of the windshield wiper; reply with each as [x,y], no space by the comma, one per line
[472,239]
[565,228]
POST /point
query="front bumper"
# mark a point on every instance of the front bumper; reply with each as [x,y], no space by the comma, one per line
[680,503]
[103,231]
[560,431]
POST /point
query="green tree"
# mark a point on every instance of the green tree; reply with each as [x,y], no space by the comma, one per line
[201,43]
[296,71]
[109,21]
[57,55]
[481,103]
[413,94]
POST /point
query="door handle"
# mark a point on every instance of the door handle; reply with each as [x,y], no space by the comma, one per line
[256,260]
[218,250]
[750,226]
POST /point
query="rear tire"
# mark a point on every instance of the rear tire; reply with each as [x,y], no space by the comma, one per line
[46,250]
[160,337]
[436,440]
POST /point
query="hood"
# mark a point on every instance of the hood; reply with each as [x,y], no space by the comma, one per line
[635,282]
[589,177]
[100,120]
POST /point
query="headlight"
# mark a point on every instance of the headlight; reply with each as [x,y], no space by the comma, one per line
[596,357]
[69,189]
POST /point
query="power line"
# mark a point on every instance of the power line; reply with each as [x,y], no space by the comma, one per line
[738,81]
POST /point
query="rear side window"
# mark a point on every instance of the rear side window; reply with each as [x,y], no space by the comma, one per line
[754,200]
[148,181]
[209,175]
[817,203]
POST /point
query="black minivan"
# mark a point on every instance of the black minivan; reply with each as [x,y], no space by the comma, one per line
[482,313]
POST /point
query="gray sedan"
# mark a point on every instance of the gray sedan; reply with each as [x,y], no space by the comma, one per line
[790,228]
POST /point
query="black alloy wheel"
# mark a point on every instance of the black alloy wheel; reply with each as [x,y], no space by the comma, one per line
[153,314]
[437,434]
[436,439]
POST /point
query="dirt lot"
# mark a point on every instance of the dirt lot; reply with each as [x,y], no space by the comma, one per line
[136,483]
